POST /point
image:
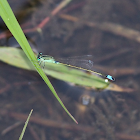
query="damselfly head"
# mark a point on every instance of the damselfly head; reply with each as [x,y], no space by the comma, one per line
[39,56]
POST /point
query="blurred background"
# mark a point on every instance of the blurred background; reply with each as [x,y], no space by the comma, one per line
[106,29]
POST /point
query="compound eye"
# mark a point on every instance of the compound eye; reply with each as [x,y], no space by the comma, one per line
[39,55]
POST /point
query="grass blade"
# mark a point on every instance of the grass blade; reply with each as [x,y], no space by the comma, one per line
[24,128]
[8,17]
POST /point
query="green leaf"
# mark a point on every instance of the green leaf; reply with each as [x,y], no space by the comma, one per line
[16,57]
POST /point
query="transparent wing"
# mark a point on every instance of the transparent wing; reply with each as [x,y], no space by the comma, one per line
[78,62]
[83,57]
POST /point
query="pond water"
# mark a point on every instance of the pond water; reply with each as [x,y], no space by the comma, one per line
[108,30]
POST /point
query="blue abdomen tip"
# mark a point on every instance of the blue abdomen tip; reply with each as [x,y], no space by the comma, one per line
[110,78]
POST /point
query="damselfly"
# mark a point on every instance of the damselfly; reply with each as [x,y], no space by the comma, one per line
[42,59]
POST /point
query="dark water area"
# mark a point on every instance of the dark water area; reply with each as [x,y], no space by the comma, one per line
[108,30]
